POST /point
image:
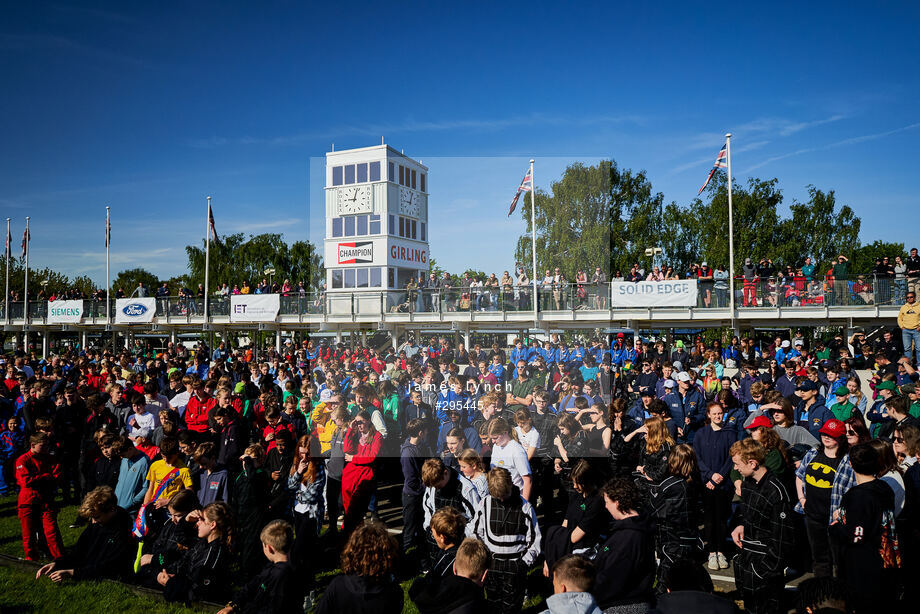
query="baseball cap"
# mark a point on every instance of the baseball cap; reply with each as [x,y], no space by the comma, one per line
[646,393]
[886,386]
[785,343]
[842,391]
[620,335]
[833,428]
[759,421]
[679,343]
[807,386]
[798,343]
[678,366]
[669,383]
[325,395]
[683,376]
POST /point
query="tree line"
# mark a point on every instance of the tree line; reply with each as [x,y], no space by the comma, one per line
[606,216]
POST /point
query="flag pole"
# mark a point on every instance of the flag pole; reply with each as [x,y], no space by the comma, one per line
[25,293]
[731,231]
[108,278]
[533,237]
[207,257]
[9,250]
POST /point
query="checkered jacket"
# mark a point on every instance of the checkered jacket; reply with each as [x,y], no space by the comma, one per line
[843,481]
[766,514]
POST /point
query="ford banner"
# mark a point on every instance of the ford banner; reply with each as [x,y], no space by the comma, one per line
[135,310]
[254,307]
[679,293]
[65,312]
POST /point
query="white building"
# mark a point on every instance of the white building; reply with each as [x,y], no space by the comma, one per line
[376,220]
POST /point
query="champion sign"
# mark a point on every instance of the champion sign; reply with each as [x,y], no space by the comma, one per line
[353,253]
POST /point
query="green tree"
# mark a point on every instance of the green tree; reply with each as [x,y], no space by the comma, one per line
[863,258]
[127,281]
[572,221]
[819,229]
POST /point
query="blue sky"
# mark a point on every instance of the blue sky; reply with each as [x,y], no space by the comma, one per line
[151,108]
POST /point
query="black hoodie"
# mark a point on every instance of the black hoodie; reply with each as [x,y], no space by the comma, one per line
[448,595]
[626,563]
[361,595]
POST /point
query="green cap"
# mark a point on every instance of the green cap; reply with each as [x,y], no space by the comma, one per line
[886,386]
[842,391]
[679,343]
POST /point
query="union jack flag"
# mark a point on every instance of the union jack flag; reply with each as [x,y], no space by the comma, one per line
[211,223]
[26,237]
[720,163]
[526,186]
[9,242]
[108,231]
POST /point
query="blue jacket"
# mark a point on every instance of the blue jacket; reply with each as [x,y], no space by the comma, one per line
[450,400]
[817,416]
[734,420]
[519,354]
[637,412]
[693,405]
[877,416]
[712,452]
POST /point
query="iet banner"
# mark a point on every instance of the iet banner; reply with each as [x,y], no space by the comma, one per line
[679,293]
[65,312]
[254,307]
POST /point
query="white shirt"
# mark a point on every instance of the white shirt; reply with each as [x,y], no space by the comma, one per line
[146,420]
[180,401]
[513,458]
[528,440]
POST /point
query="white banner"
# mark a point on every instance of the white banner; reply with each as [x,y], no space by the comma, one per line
[135,310]
[254,307]
[65,312]
[681,293]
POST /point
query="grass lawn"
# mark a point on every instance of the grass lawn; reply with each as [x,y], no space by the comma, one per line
[20,592]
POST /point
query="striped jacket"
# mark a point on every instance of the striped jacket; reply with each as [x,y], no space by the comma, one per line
[459,493]
[508,528]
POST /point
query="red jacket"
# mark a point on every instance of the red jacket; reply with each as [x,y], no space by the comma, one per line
[37,476]
[274,430]
[197,412]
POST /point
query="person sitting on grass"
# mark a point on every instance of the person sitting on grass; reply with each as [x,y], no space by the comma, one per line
[203,572]
[459,592]
[276,590]
[104,549]
[573,580]
[367,585]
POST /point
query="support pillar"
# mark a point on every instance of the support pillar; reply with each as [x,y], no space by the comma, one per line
[633,325]
[394,337]
[278,340]
[338,336]
[466,338]
[46,344]
[25,341]
[173,337]
[128,341]
[83,339]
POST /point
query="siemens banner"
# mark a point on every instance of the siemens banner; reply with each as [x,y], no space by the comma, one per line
[254,307]
[65,312]
[135,310]
[681,293]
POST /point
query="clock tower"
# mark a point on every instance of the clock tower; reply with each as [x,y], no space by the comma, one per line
[376,220]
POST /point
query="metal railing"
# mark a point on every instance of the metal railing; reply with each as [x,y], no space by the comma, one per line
[773,292]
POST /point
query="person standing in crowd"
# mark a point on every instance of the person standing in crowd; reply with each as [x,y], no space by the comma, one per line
[864,532]
[508,526]
[37,475]
[712,446]
[626,561]
[361,447]
[909,321]
[764,530]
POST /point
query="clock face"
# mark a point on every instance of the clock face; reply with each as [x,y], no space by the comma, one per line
[354,200]
[410,203]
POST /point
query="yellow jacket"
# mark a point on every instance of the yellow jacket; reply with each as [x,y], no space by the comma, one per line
[909,316]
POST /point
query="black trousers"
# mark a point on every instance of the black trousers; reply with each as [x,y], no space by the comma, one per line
[506,583]
[716,511]
[412,520]
[333,505]
[821,553]
[305,539]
